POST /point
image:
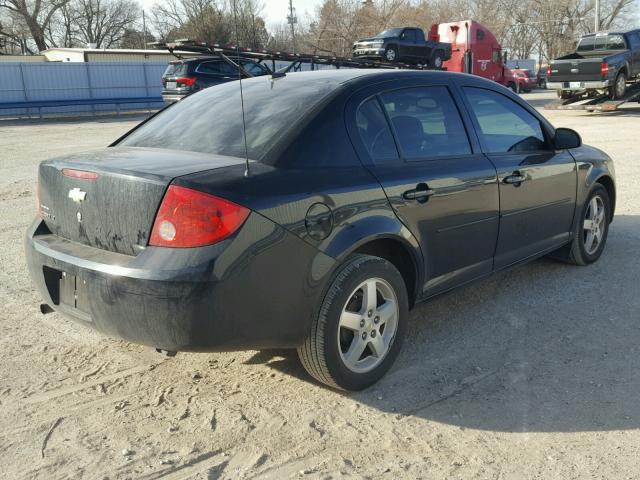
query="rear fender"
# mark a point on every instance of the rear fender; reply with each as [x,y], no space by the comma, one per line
[365,230]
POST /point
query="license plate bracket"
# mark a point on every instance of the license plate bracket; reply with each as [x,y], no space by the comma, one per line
[73,292]
[172,85]
[576,85]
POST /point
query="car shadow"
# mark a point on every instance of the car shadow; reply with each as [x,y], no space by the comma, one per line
[540,348]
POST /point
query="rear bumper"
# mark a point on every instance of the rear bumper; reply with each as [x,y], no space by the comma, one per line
[199,299]
[578,85]
[173,97]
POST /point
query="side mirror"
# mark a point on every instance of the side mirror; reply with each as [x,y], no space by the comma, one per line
[566,138]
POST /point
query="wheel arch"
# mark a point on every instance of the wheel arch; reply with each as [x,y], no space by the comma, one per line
[397,253]
[607,182]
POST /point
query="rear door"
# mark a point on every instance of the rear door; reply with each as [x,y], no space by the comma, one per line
[537,183]
[415,142]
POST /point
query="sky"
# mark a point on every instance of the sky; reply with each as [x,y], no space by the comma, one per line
[275,11]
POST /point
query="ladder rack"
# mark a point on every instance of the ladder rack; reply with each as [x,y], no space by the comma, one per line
[296,60]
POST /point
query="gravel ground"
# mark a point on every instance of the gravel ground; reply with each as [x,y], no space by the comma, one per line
[534,373]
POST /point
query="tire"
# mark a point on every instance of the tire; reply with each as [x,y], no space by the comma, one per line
[512,87]
[580,253]
[437,60]
[391,54]
[619,87]
[326,351]
[543,84]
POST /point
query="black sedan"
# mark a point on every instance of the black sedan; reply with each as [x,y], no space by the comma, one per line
[364,193]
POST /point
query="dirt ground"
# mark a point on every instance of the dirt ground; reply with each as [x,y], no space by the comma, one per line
[534,373]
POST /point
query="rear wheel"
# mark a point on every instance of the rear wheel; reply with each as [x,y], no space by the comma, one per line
[436,60]
[619,87]
[391,54]
[358,332]
[590,234]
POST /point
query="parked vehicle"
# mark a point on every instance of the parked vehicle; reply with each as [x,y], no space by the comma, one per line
[186,76]
[477,51]
[403,45]
[542,76]
[524,79]
[604,61]
[171,238]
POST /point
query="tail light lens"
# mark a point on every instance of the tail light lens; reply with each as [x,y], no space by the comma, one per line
[604,68]
[189,218]
[548,71]
[186,81]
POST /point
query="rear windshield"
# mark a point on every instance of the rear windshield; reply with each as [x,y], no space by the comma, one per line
[210,121]
[174,69]
[601,42]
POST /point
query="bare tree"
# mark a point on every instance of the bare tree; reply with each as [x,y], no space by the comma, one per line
[104,22]
[36,14]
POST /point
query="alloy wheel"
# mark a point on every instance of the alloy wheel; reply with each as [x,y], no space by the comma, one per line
[594,225]
[368,325]
[391,55]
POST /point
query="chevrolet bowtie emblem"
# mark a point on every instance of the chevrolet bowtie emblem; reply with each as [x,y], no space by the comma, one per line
[77,195]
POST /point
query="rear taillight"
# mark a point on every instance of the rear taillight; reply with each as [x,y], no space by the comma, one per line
[189,218]
[548,70]
[186,81]
[604,68]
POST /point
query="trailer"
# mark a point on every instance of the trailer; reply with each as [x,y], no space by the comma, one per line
[595,102]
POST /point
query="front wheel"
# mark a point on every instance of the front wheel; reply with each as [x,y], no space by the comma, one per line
[436,60]
[359,329]
[590,234]
[391,54]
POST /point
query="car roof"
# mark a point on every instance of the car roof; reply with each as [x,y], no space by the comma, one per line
[354,78]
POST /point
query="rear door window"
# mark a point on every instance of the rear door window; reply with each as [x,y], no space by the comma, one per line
[215,68]
[504,125]
[375,132]
[426,122]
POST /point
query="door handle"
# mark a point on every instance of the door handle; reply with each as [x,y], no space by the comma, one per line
[421,193]
[516,178]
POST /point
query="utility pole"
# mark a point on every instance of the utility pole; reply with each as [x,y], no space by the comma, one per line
[144,31]
[597,15]
[292,20]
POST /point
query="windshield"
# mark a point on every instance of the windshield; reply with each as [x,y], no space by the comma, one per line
[211,120]
[389,32]
[601,42]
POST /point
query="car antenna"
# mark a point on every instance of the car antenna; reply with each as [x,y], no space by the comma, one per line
[244,124]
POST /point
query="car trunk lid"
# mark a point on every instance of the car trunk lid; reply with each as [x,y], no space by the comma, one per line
[108,198]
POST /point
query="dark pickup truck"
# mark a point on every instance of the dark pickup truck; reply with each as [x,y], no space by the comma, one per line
[602,61]
[406,45]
